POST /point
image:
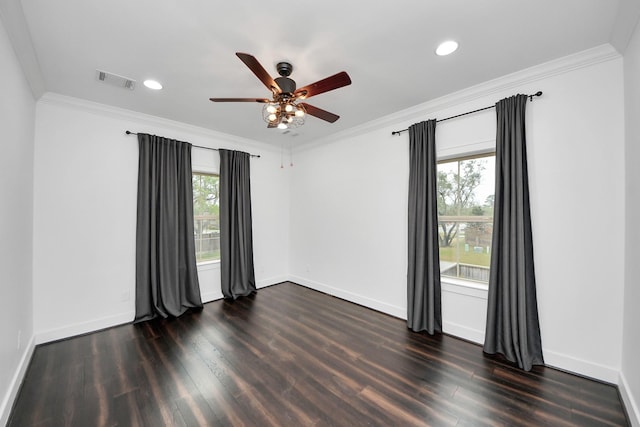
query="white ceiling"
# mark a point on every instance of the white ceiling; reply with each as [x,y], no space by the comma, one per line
[386,47]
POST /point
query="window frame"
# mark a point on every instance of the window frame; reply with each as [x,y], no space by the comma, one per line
[460,285]
[207,264]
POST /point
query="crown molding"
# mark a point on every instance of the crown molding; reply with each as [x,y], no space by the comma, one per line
[587,58]
[566,64]
[625,24]
[15,24]
[56,99]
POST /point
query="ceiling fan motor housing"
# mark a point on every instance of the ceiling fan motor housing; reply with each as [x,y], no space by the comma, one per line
[286,84]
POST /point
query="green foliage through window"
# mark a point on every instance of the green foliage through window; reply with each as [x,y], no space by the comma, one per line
[465,217]
[206,216]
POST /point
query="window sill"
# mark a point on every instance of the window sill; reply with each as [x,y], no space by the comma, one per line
[464,287]
[208,265]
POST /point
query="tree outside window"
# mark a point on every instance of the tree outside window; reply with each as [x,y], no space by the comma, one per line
[206,217]
[465,217]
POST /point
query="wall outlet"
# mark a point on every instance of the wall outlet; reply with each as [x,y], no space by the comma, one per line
[19,339]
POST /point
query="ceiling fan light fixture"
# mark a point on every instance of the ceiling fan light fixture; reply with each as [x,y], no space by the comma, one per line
[446,48]
[283,113]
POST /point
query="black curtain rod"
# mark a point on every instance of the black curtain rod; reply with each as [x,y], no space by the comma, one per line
[398,132]
[199,146]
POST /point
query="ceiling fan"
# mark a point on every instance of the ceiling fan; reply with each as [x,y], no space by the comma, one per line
[284,109]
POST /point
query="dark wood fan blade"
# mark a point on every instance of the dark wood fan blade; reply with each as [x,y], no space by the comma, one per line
[261,100]
[325,85]
[319,113]
[262,74]
[272,125]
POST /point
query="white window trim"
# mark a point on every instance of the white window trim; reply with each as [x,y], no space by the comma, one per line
[468,150]
[464,287]
[205,170]
[209,265]
[454,284]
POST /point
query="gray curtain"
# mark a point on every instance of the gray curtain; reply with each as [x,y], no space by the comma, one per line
[236,236]
[512,316]
[166,275]
[423,275]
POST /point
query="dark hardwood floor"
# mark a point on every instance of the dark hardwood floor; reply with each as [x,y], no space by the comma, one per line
[291,356]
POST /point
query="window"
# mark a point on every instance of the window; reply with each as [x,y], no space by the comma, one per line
[206,217]
[465,216]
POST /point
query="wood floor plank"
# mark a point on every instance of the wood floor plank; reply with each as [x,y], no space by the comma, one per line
[291,356]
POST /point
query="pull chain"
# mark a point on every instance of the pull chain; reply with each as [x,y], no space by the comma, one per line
[291,154]
[281,154]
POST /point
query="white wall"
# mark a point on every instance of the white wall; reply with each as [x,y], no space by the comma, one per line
[17,115]
[347,219]
[630,375]
[85,213]
[349,198]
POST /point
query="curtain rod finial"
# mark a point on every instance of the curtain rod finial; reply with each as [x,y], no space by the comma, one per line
[538,93]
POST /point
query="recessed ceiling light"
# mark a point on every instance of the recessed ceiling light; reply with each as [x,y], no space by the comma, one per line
[152,84]
[446,48]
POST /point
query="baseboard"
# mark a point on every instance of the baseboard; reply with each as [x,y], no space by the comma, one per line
[263,283]
[42,337]
[454,329]
[54,334]
[580,367]
[16,382]
[463,332]
[552,359]
[629,400]
[211,296]
[383,307]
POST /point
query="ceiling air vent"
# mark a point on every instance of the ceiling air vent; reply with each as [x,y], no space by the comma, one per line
[290,133]
[115,80]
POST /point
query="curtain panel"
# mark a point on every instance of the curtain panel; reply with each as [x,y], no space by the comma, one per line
[166,274]
[424,311]
[236,233]
[512,313]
